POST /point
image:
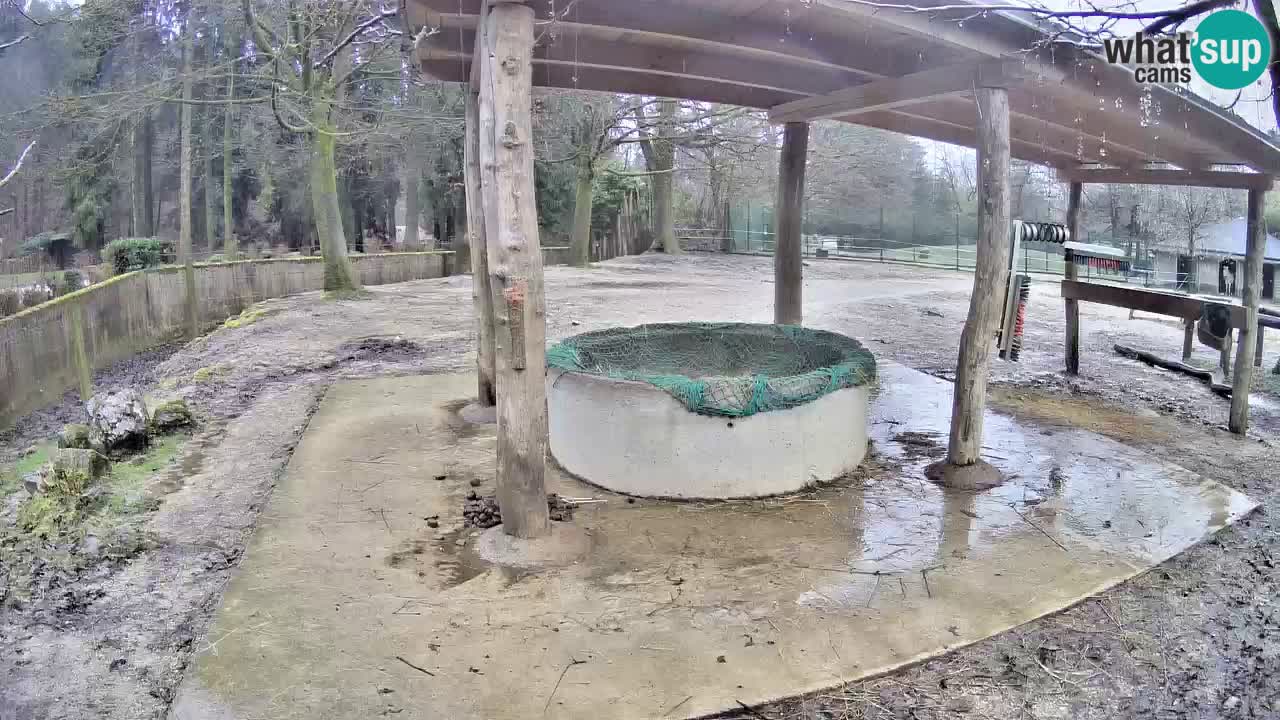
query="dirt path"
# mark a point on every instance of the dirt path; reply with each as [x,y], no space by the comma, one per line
[1196,638]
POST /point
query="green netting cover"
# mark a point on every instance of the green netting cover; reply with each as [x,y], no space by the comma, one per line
[726,369]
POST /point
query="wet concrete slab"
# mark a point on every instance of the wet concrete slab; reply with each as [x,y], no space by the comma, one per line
[350,605]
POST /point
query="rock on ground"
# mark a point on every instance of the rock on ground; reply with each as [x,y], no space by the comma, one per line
[170,416]
[117,421]
[72,471]
[74,435]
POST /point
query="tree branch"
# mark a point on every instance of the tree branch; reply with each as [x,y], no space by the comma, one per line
[1267,13]
[359,29]
[12,173]
[11,43]
[1163,17]
[5,211]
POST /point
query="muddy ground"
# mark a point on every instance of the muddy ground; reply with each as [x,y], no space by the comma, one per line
[1197,638]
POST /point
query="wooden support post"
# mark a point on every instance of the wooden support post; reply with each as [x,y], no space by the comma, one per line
[1240,386]
[991,267]
[1069,272]
[481,295]
[1188,335]
[515,267]
[1224,357]
[1257,348]
[788,268]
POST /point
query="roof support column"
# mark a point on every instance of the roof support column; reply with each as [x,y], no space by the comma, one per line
[514,267]
[788,267]
[1257,241]
[1075,191]
[964,467]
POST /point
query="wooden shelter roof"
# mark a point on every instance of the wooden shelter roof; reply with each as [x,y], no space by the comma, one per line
[908,72]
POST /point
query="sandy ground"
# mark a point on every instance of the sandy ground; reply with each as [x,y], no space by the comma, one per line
[1196,638]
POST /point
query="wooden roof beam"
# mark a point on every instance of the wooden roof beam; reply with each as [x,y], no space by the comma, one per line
[1081,119]
[890,93]
[1169,176]
[452,66]
[1084,148]
[625,55]
[948,132]
[1083,82]
[683,24]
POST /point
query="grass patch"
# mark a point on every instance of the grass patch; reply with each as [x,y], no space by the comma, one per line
[11,477]
[123,495]
[127,482]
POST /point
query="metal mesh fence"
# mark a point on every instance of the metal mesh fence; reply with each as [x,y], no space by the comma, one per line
[725,369]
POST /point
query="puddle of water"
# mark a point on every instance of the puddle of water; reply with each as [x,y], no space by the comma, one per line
[1069,492]
[460,563]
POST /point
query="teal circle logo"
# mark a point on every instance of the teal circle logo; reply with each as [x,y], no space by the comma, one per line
[1231,49]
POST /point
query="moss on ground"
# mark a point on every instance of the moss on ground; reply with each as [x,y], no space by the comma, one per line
[1085,412]
[210,373]
[356,294]
[123,495]
[250,316]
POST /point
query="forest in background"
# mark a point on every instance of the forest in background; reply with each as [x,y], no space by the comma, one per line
[293,112]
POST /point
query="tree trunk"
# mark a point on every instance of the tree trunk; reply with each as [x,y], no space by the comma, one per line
[338,274]
[411,211]
[664,216]
[210,209]
[515,268]
[142,199]
[990,269]
[184,183]
[1241,383]
[230,248]
[481,292]
[788,266]
[1074,202]
[580,244]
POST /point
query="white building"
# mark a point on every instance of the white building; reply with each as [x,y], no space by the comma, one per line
[1219,262]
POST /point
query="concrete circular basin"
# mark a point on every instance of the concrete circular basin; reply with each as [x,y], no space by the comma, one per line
[732,425]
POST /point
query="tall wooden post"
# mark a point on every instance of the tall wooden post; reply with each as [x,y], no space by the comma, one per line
[788,267]
[481,295]
[991,266]
[1074,194]
[1240,385]
[515,267]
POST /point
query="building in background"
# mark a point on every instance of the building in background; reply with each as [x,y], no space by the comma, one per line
[1218,265]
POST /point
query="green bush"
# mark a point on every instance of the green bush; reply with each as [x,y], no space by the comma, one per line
[69,282]
[10,302]
[129,254]
[33,296]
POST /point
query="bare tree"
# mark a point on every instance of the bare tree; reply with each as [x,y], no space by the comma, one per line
[312,64]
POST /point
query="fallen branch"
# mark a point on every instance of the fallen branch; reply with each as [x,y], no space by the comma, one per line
[415,667]
[559,680]
[1205,376]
